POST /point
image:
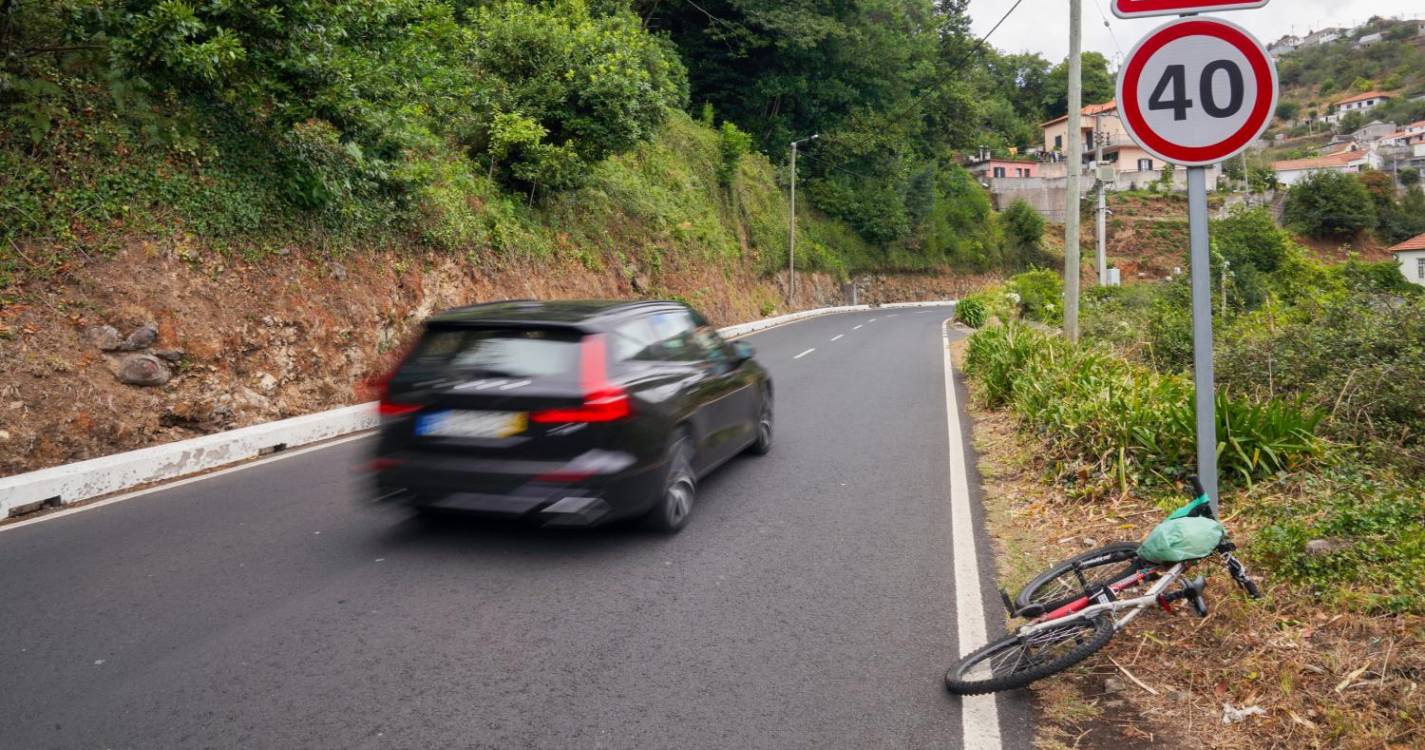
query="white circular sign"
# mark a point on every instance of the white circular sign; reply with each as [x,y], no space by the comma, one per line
[1197,91]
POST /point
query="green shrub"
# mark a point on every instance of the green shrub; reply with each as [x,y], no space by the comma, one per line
[1095,408]
[1024,237]
[733,145]
[1041,295]
[1357,356]
[972,312]
[1330,205]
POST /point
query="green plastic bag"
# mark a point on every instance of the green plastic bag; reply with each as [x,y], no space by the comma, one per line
[1179,539]
[1199,507]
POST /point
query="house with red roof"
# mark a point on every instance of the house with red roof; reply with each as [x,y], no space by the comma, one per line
[1292,171]
[1410,254]
[1358,103]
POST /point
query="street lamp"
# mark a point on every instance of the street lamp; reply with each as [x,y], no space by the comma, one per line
[792,242]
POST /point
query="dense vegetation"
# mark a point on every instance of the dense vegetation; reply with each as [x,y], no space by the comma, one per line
[480,126]
[1320,370]
[1331,205]
[1314,77]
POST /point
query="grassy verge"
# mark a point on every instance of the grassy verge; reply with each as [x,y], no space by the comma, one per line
[1334,656]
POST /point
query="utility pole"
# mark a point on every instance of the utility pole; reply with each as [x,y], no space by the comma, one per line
[1075,158]
[1101,212]
[792,222]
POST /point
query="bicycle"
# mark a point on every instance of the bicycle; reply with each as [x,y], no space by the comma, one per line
[1073,609]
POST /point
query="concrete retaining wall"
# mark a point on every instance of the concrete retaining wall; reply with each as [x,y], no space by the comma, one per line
[85,480]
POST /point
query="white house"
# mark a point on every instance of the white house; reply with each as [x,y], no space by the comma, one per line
[1410,254]
[1293,171]
[1373,132]
[1324,36]
[1361,102]
[1370,39]
[1284,46]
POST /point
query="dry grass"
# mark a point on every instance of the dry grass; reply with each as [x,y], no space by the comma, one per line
[1325,679]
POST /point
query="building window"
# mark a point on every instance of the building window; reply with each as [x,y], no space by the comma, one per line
[1145,165]
[999,171]
[1420,268]
[1058,141]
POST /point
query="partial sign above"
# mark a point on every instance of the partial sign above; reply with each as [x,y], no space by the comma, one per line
[1145,8]
[1197,91]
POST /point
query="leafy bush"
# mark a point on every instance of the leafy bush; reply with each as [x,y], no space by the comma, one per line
[1251,237]
[972,311]
[1024,237]
[1330,205]
[1126,420]
[1358,356]
[733,145]
[1041,295]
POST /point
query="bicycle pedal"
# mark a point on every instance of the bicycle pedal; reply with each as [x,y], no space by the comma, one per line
[1008,603]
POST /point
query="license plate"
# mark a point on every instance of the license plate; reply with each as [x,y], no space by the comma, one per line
[471,424]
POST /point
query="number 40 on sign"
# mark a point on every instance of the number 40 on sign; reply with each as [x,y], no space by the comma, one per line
[1197,91]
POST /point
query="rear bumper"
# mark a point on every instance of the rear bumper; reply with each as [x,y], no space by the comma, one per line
[553,494]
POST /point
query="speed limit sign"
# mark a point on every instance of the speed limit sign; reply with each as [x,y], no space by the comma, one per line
[1197,91]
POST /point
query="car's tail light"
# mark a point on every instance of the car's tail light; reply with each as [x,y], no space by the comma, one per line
[604,401]
[385,406]
[382,464]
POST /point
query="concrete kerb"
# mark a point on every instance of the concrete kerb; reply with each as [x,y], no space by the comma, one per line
[86,480]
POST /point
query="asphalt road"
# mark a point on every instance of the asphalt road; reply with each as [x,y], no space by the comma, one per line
[810,603]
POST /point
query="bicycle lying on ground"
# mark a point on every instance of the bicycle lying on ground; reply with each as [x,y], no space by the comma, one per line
[1075,607]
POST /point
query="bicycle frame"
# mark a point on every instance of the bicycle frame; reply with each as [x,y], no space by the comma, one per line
[1081,608]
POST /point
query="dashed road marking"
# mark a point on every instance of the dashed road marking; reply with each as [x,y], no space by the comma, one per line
[803,354]
[856,328]
[837,336]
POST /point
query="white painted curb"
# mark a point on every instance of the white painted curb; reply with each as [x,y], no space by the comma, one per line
[85,480]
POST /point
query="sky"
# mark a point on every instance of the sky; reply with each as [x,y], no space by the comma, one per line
[1043,25]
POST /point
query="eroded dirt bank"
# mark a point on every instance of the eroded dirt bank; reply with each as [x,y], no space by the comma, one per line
[242,342]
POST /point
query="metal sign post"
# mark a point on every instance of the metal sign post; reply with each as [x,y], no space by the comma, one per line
[1195,92]
[1202,376]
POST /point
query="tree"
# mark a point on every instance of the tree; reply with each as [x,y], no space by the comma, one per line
[1287,111]
[1405,219]
[1351,122]
[1409,177]
[1251,237]
[1330,205]
[1024,237]
[1098,85]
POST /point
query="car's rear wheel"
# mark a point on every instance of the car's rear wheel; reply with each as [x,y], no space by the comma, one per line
[670,514]
[762,445]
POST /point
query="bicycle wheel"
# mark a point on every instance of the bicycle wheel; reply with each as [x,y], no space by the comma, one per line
[1015,661]
[1058,585]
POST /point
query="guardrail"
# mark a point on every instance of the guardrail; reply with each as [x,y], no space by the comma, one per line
[86,480]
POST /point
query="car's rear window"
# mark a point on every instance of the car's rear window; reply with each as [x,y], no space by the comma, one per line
[497,352]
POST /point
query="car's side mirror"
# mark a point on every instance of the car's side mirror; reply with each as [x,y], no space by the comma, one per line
[743,351]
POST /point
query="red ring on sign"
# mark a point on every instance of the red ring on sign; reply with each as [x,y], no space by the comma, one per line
[1196,155]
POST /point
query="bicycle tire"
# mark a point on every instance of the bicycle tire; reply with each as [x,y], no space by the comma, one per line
[1099,631]
[1046,589]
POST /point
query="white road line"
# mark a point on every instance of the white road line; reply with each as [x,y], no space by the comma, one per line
[264,461]
[979,714]
[837,336]
[872,320]
[856,328]
[803,354]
